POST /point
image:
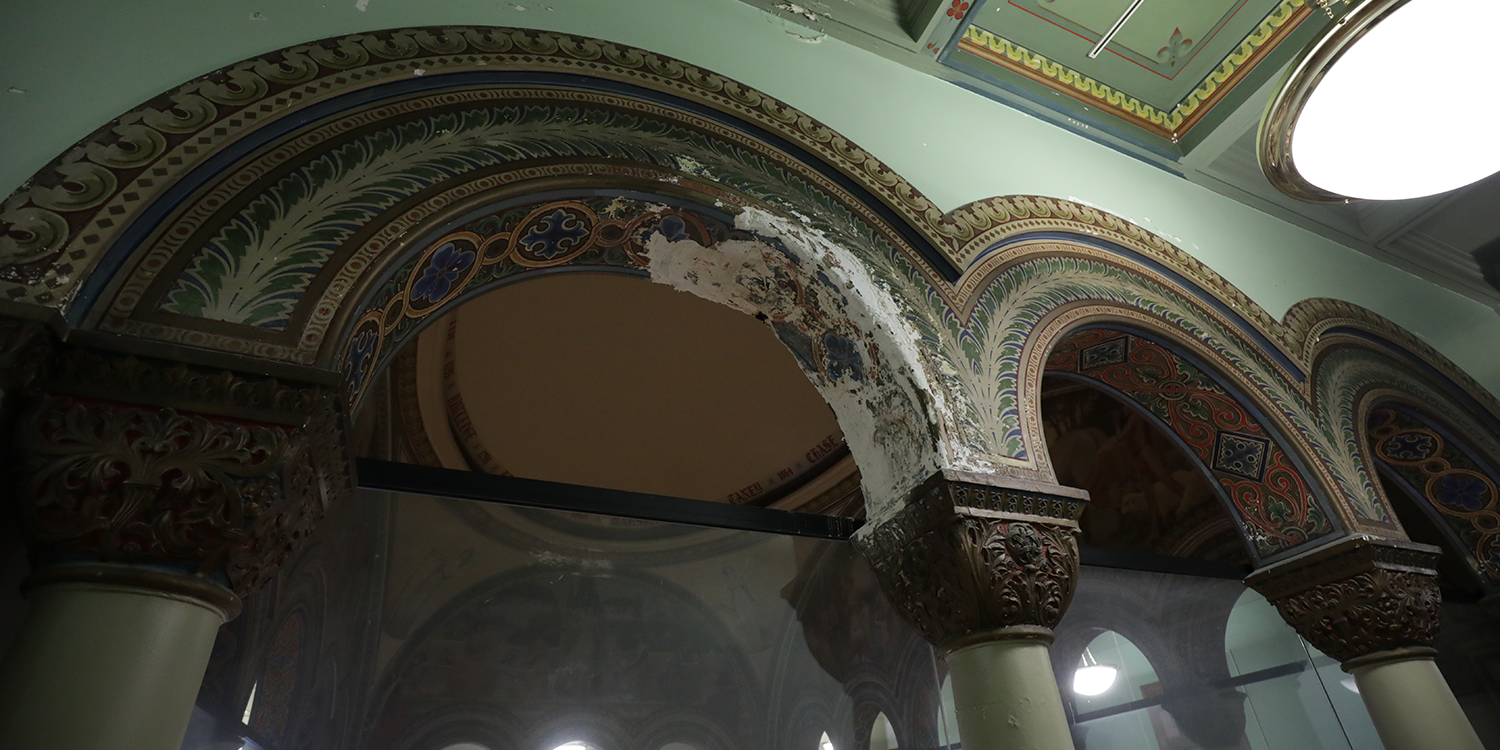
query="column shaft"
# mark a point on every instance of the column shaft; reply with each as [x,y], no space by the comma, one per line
[984,568]
[1412,707]
[1006,697]
[105,667]
[1373,604]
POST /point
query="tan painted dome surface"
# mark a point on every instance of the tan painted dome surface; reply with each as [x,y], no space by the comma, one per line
[612,381]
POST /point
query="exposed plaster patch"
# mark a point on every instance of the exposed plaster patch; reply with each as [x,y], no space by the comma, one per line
[845,331]
[546,557]
[361,5]
[811,15]
[258,16]
[796,9]
[15,90]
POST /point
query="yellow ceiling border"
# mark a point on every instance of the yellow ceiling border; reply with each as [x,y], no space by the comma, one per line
[1172,125]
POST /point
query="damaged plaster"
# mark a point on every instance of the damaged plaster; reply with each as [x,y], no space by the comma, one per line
[845,332]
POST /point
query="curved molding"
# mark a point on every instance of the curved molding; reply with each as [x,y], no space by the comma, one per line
[172,225]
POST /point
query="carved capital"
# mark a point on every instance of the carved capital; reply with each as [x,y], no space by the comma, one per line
[24,346]
[1358,597]
[216,474]
[967,557]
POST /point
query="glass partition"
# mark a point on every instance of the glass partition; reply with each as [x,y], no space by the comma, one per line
[486,626]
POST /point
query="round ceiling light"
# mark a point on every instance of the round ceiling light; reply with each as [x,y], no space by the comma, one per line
[1093,680]
[1391,103]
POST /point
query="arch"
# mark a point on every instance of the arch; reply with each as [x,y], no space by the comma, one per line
[1379,385]
[1446,481]
[258,210]
[1263,485]
[269,210]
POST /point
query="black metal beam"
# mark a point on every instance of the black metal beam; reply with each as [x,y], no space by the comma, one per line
[411,479]
[1270,673]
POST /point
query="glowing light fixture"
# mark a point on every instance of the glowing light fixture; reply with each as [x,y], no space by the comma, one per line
[1093,679]
[1391,103]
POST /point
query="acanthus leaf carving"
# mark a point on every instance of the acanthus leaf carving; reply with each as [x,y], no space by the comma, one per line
[223,490]
[1358,597]
[963,557]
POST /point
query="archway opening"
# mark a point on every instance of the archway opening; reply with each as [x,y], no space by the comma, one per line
[1441,494]
[882,734]
[1146,493]
[607,380]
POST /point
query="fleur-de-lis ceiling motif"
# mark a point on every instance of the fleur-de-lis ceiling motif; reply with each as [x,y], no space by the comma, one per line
[1175,49]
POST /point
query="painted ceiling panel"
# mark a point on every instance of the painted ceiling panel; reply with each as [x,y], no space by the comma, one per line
[1170,63]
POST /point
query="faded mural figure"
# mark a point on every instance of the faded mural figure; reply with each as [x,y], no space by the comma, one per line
[1146,495]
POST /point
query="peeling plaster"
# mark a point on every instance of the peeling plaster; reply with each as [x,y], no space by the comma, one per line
[797,282]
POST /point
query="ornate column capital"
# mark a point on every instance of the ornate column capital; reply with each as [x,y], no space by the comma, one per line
[972,558]
[160,474]
[1361,600]
[24,346]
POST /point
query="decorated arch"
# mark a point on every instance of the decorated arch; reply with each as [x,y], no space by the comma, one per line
[312,209]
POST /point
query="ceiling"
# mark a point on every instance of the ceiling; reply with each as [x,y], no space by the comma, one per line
[1181,86]
[657,391]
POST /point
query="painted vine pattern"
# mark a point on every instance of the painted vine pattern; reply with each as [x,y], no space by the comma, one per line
[259,260]
[1274,501]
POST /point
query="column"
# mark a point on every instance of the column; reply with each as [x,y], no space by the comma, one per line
[983,568]
[153,495]
[1373,603]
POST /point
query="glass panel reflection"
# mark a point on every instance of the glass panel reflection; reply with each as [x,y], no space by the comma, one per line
[1201,664]
[484,626]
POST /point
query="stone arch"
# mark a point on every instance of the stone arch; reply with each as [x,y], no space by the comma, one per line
[253,211]
[1068,269]
[1044,267]
[1276,504]
[1382,386]
[755,263]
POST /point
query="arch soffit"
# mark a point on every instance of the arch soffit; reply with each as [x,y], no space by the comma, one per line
[1453,485]
[1276,500]
[81,228]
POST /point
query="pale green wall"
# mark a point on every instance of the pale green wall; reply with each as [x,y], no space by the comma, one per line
[81,63]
